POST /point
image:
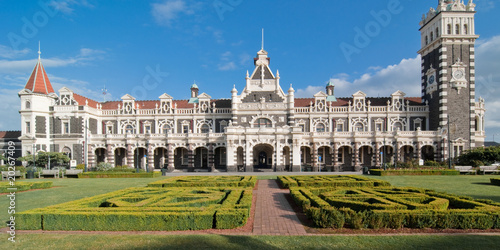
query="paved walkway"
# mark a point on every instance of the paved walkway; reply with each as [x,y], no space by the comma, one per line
[273,214]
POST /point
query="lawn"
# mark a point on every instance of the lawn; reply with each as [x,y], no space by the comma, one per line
[99,241]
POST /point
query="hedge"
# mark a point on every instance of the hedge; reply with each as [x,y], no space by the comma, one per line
[146,209]
[24,185]
[383,207]
[330,181]
[495,181]
[380,172]
[118,175]
[206,181]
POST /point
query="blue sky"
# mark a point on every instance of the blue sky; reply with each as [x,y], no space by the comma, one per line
[121,44]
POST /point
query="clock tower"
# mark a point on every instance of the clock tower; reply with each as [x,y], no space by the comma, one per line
[448,73]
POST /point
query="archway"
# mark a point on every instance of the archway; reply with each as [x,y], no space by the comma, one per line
[305,156]
[428,153]
[67,151]
[160,158]
[365,156]
[286,158]
[140,158]
[324,158]
[345,158]
[181,158]
[263,156]
[220,158]
[240,159]
[387,153]
[407,154]
[120,156]
[100,154]
[201,158]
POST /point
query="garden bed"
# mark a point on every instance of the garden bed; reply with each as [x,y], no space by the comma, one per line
[206,181]
[329,181]
[24,185]
[111,174]
[381,172]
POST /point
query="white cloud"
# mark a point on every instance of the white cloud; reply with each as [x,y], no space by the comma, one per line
[10,53]
[65,6]
[164,13]
[227,66]
[404,76]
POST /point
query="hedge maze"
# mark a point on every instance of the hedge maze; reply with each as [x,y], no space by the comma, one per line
[389,207]
[329,181]
[147,209]
[206,181]
[24,185]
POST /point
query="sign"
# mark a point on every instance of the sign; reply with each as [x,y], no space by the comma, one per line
[72,164]
[421,162]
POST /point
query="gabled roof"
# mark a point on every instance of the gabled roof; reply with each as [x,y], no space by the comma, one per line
[82,100]
[39,81]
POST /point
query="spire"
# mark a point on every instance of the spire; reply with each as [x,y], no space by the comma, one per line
[262,47]
[39,81]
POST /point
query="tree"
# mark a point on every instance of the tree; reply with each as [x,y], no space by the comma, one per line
[480,156]
[42,159]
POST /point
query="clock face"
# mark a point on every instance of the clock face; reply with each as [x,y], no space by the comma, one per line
[458,74]
[432,79]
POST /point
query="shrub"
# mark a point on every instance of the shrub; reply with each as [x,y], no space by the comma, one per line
[103,166]
[495,181]
[80,166]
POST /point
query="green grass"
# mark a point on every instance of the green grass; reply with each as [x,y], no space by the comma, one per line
[99,241]
[475,186]
[68,189]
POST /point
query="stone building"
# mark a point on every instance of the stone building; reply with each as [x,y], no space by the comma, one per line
[264,127]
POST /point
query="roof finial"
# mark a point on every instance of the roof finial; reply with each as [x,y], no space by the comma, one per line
[39,53]
[262,39]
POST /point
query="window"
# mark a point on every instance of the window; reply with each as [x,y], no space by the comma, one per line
[263,123]
[185,129]
[418,124]
[378,127]
[340,127]
[457,29]
[28,127]
[466,29]
[426,40]
[302,127]
[449,29]
[129,129]
[437,32]
[222,126]
[359,127]
[147,129]
[65,127]
[109,129]
[320,127]
[184,156]
[28,105]
[432,36]
[397,126]
[165,129]
[204,129]
[341,155]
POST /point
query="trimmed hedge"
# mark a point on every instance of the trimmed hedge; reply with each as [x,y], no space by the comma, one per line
[381,172]
[382,207]
[330,181]
[206,181]
[146,209]
[495,181]
[24,185]
[112,174]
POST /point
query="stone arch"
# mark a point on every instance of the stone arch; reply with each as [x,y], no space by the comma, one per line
[263,156]
[255,123]
[181,157]
[160,157]
[120,154]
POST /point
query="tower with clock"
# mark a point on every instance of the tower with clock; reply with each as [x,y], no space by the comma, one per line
[448,75]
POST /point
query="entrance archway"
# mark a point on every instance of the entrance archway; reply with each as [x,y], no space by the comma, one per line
[428,153]
[161,158]
[201,158]
[100,154]
[120,156]
[263,156]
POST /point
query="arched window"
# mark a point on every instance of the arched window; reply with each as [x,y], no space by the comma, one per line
[432,36]
[359,127]
[165,129]
[263,123]
[457,29]
[449,29]
[129,129]
[437,32]
[466,29]
[426,40]
[320,127]
[204,129]
[397,126]
[28,105]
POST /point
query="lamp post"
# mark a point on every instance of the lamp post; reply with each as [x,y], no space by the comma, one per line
[449,144]
[137,158]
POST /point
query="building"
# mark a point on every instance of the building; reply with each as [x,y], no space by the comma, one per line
[265,127]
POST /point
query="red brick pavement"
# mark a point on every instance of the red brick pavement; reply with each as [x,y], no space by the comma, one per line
[273,214]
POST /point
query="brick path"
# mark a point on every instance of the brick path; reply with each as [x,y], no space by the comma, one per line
[273,214]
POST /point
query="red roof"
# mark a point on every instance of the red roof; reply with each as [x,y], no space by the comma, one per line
[82,100]
[38,81]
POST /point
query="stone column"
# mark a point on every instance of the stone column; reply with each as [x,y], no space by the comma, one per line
[231,158]
[335,157]
[110,155]
[211,158]
[418,154]
[295,152]
[170,161]
[248,152]
[355,157]
[376,154]
[151,158]
[314,158]
[130,156]
[190,158]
